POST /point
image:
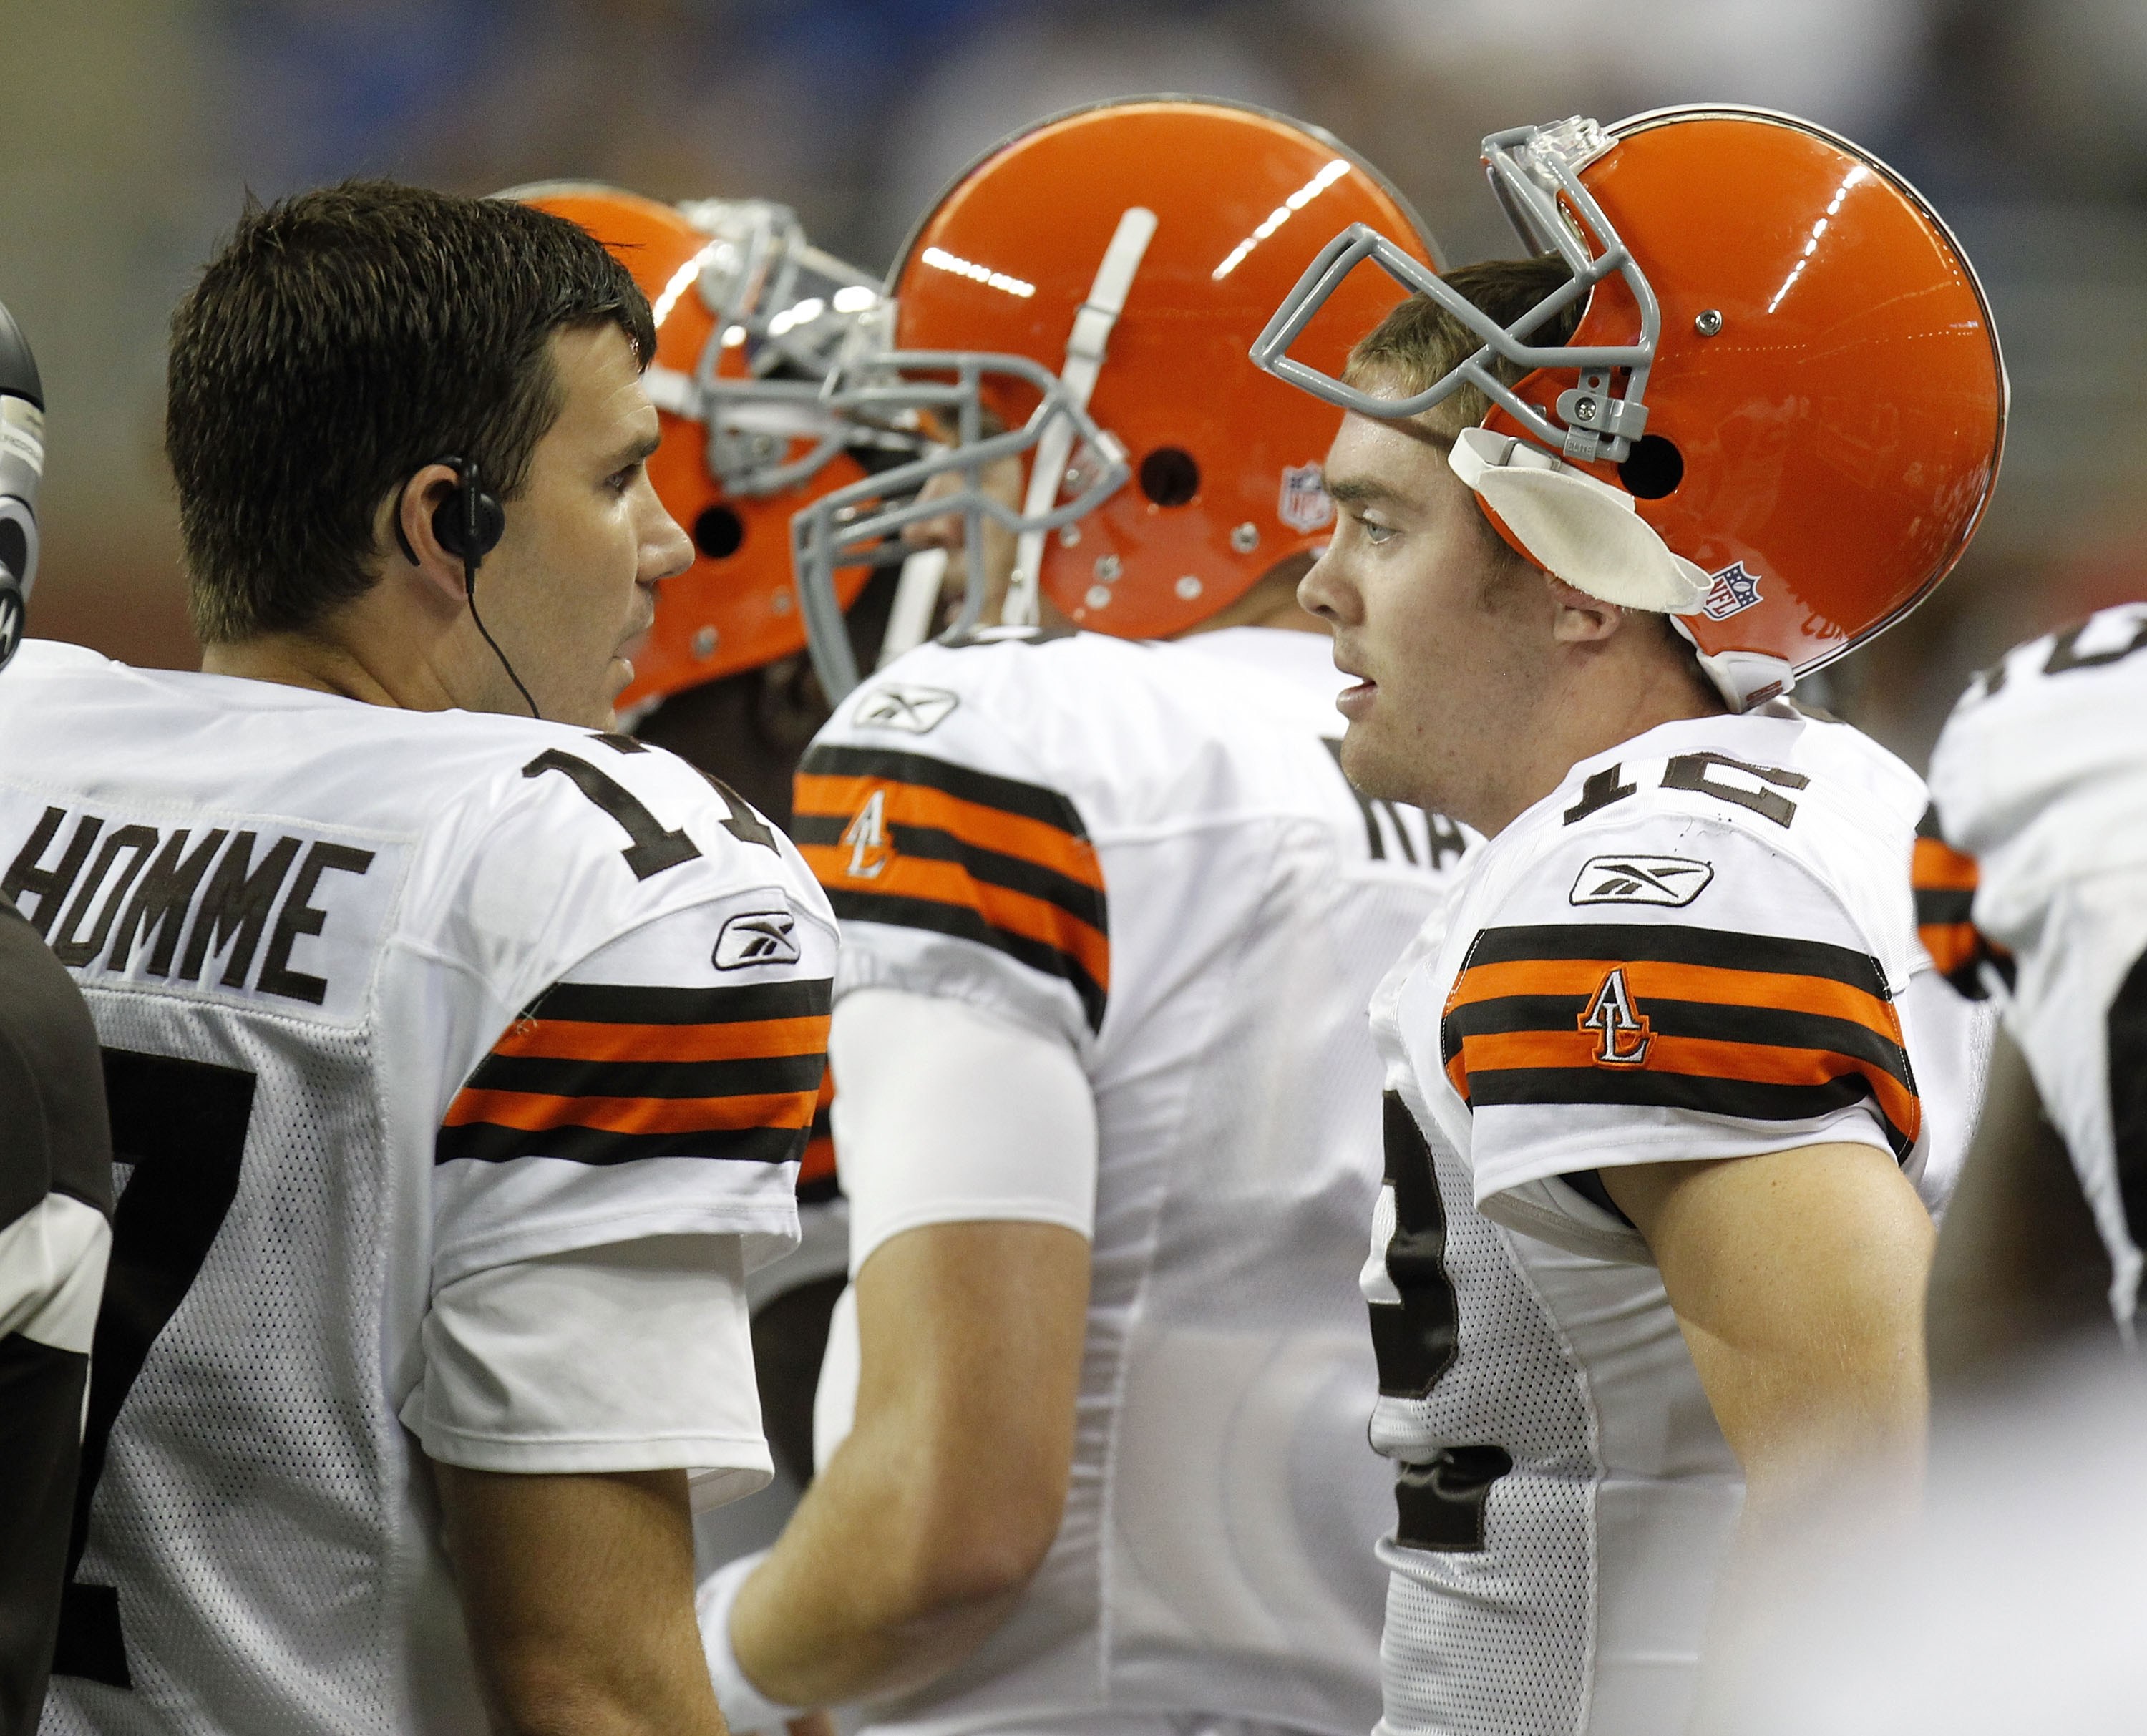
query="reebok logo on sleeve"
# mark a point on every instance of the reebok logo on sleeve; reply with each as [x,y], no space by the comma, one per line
[918,710]
[757,937]
[1666,880]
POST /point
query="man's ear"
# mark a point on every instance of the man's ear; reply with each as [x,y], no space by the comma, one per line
[404,532]
[1578,619]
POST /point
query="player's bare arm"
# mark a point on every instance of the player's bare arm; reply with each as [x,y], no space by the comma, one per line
[1797,1281]
[579,1598]
[910,1547]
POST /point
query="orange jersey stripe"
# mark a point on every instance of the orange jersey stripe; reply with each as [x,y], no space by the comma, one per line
[1706,1057]
[533,1113]
[948,883]
[1953,945]
[1938,866]
[989,829]
[1651,980]
[567,1039]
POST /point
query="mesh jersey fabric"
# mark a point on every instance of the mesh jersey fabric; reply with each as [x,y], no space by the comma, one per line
[1149,852]
[2040,777]
[1696,948]
[387,999]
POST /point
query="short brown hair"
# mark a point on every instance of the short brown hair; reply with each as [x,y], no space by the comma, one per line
[1420,343]
[341,341]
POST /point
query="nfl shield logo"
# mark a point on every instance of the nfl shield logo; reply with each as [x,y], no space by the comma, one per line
[1734,590]
[1305,505]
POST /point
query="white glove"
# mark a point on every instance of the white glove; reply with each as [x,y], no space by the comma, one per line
[744,1706]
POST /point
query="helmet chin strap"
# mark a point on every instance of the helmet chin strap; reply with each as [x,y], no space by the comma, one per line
[1085,349]
[1588,534]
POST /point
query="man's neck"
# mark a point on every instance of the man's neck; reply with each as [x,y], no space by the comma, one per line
[325,667]
[1580,722]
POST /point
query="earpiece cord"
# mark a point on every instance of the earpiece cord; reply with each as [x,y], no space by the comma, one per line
[470,590]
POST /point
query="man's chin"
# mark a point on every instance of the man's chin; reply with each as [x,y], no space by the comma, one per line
[1371,768]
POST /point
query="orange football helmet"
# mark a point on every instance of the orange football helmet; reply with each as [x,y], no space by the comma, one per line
[1092,284]
[749,317]
[1780,417]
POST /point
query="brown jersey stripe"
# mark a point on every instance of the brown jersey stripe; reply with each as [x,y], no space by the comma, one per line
[485,1141]
[1828,997]
[966,922]
[986,789]
[1704,1057]
[639,1004]
[532,1113]
[1673,943]
[541,1076]
[1001,908]
[568,1039]
[1047,844]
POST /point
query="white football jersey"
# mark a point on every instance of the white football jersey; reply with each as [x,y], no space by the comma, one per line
[1149,850]
[2041,776]
[391,1001]
[1698,947]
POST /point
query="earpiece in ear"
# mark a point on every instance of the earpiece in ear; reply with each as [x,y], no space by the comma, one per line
[469,520]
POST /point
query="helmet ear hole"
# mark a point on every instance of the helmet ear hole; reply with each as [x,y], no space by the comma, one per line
[719,533]
[1169,477]
[1653,468]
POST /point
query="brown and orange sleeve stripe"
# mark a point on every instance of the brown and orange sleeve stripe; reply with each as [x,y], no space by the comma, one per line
[602,1074]
[1945,881]
[1750,1026]
[990,859]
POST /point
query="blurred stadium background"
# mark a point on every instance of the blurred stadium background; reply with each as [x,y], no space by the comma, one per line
[140,125]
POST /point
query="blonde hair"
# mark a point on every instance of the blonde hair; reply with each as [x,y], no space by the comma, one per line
[1420,342]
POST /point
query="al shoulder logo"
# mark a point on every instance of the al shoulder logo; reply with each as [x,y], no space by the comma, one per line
[757,937]
[918,710]
[1672,880]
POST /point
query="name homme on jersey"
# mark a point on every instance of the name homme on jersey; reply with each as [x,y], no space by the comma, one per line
[390,1001]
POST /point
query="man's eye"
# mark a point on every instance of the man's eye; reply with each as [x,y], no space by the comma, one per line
[1375,533]
[619,481]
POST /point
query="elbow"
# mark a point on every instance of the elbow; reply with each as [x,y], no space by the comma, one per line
[977,1553]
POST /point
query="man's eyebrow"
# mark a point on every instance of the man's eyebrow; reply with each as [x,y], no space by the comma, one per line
[1362,491]
[633,454]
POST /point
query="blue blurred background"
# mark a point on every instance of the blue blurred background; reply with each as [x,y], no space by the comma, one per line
[137,126]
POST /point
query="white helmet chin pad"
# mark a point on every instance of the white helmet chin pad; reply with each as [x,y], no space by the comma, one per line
[1744,678]
[1587,533]
[1580,530]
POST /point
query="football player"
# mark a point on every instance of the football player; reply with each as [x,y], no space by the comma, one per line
[55,1166]
[1650,1249]
[2041,784]
[1107,1113]
[462,1048]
